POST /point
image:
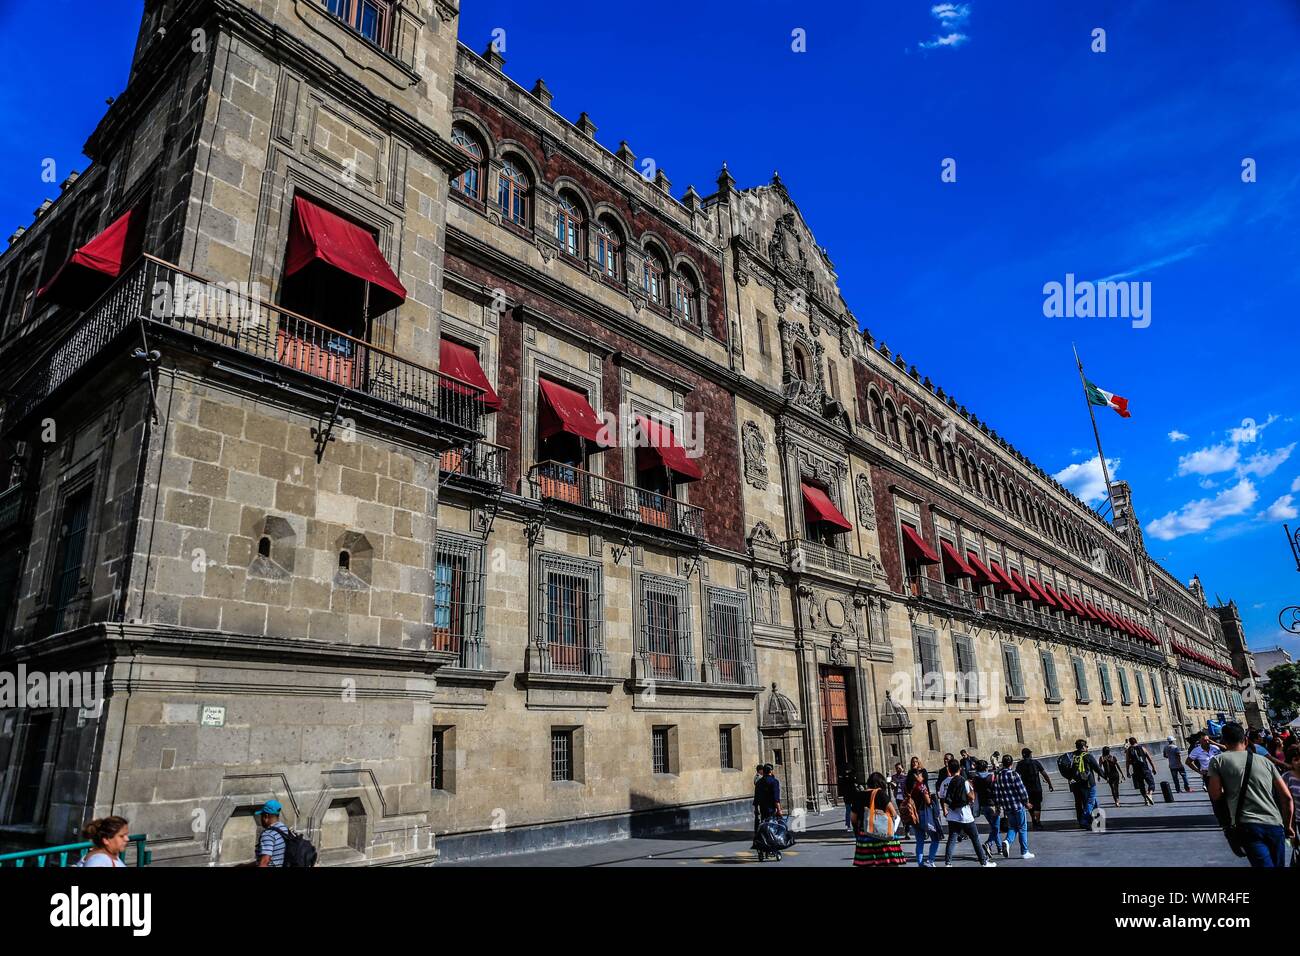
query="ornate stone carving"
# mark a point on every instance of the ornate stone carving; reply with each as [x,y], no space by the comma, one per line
[754,446]
[834,611]
[837,653]
[762,535]
[866,506]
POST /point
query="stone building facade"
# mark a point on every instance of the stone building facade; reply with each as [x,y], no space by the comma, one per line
[387,445]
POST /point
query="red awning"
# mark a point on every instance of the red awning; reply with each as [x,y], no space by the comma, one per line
[664,449]
[1025,589]
[1001,581]
[819,507]
[95,266]
[982,574]
[1055,595]
[1092,612]
[916,548]
[318,235]
[568,411]
[1075,607]
[460,362]
[953,564]
[1043,589]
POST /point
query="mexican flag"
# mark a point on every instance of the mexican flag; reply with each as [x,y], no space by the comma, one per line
[1099,396]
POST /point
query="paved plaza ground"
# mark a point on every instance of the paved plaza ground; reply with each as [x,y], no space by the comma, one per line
[1183,834]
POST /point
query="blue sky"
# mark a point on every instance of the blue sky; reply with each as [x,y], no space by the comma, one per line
[1122,163]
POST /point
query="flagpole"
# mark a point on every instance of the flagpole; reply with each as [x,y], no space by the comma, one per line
[1096,434]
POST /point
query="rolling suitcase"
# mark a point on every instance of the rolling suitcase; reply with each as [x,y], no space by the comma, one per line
[1166,791]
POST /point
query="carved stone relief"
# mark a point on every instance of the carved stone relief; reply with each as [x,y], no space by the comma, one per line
[754,446]
[866,505]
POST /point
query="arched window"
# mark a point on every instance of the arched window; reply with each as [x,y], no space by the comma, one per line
[923,440]
[686,297]
[909,430]
[938,452]
[877,411]
[891,423]
[965,472]
[513,192]
[952,461]
[470,182]
[569,221]
[653,277]
[609,248]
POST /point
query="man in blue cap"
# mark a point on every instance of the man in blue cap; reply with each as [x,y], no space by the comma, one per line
[270,845]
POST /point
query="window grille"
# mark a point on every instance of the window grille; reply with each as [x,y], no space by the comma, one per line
[458,612]
[561,754]
[725,755]
[571,612]
[436,760]
[665,651]
[659,748]
[731,643]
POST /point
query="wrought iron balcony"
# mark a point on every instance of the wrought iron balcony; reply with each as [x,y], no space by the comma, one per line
[926,587]
[159,297]
[638,508]
[802,553]
[478,461]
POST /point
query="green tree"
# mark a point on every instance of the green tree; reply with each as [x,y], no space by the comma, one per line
[1283,692]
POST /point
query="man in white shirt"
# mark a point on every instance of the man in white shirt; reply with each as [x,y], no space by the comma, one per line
[1202,754]
[957,794]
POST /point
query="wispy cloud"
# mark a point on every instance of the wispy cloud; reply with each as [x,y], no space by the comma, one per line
[1209,461]
[1176,435]
[1249,431]
[1085,478]
[1264,463]
[952,18]
[1200,515]
[1155,263]
[1280,510]
[1295,485]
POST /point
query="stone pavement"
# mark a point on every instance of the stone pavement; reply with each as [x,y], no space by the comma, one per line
[1183,833]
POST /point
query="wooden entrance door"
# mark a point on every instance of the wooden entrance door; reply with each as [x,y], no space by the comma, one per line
[837,732]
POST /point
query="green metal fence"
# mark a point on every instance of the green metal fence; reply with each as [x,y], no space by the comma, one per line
[70,853]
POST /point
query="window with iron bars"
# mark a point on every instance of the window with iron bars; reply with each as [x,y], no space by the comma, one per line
[730,649]
[562,754]
[458,600]
[665,652]
[436,755]
[726,750]
[659,750]
[570,607]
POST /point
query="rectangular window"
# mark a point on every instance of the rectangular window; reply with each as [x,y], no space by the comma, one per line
[1015,681]
[932,734]
[726,747]
[761,322]
[1103,674]
[70,555]
[665,651]
[458,600]
[967,690]
[562,754]
[436,778]
[571,616]
[730,650]
[1020,731]
[1080,681]
[1141,687]
[1123,686]
[1051,688]
[1056,728]
[929,671]
[31,774]
[971,739]
[833,379]
[659,750]
[370,18]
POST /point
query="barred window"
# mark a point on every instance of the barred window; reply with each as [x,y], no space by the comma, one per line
[967,689]
[571,615]
[1049,677]
[1015,681]
[726,750]
[659,749]
[458,599]
[929,672]
[665,651]
[1123,685]
[561,754]
[730,648]
[436,756]
[1080,680]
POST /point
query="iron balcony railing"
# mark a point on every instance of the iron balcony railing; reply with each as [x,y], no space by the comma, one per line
[69,853]
[927,587]
[11,507]
[556,481]
[480,460]
[162,295]
[802,553]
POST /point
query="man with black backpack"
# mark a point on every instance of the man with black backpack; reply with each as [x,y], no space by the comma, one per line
[1082,770]
[278,845]
[958,795]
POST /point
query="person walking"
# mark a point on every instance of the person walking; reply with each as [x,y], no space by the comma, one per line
[1111,772]
[1084,771]
[1174,755]
[109,837]
[955,793]
[927,814]
[847,787]
[1032,775]
[984,806]
[1292,778]
[1202,754]
[275,835]
[1252,798]
[1142,769]
[1012,798]
[875,825]
[897,780]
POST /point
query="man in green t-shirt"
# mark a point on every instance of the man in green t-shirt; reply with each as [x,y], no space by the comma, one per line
[1267,813]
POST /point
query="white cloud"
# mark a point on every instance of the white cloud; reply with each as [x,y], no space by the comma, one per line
[1208,483]
[1249,430]
[1295,485]
[1280,510]
[1176,435]
[952,17]
[1264,463]
[1199,515]
[1085,478]
[1209,461]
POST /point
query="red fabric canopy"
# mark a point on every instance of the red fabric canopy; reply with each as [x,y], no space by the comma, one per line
[1055,596]
[460,362]
[954,565]
[318,235]
[665,450]
[1074,606]
[1001,581]
[565,410]
[1044,589]
[916,547]
[1092,612]
[1025,589]
[819,507]
[982,574]
[95,266]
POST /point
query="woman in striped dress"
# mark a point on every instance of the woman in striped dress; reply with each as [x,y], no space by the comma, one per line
[871,850]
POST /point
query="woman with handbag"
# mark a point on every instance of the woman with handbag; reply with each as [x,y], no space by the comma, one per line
[875,822]
[919,803]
